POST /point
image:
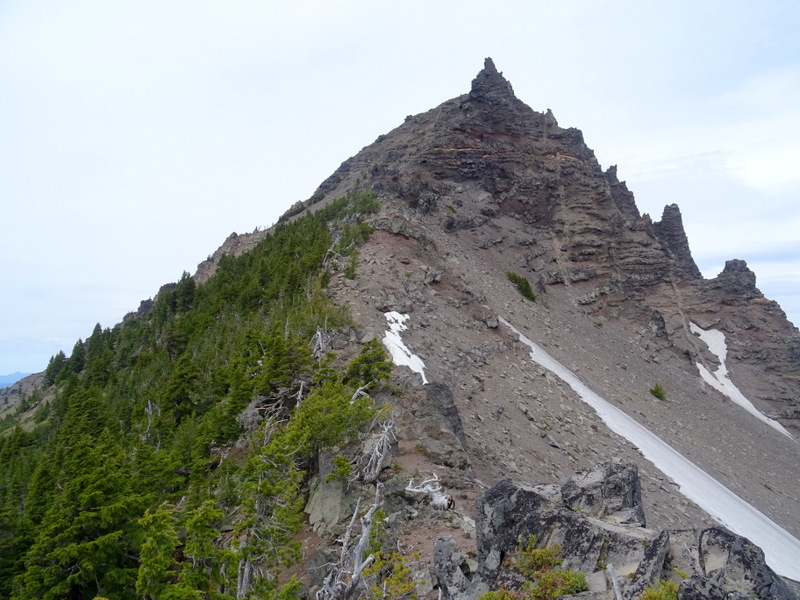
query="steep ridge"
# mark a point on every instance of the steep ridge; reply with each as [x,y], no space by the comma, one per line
[483,185]
[177,453]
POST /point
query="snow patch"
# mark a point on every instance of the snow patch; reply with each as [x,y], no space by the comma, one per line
[401,355]
[719,379]
[780,548]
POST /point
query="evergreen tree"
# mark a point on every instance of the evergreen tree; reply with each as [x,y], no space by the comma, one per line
[138,454]
[54,367]
[84,545]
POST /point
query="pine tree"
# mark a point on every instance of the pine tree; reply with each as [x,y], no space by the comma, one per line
[54,367]
[157,556]
[84,545]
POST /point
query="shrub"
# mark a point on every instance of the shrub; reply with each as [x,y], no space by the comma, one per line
[501,594]
[342,470]
[663,590]
[392,577]
[556,583]
[533,559]
[523,285]
[546,581]
[659,392]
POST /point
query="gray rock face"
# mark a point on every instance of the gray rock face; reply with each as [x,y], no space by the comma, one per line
[437,425]
[672,235]
[11,396]
[737,565]
[329,502]
[597,520]
[439,404]
[448,563]
[737,282]
[610,491]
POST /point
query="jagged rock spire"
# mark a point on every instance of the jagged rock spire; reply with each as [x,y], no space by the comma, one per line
[490,85]
[491,106]
[672,234]
[737,281]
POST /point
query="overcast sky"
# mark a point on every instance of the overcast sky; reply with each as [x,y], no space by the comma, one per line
[136,136]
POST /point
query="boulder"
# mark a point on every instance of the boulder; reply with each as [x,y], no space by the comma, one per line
[597,521]
[738,565]
[449,565]
[610,491]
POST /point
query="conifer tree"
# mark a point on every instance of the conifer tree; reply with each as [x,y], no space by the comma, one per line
[84,544]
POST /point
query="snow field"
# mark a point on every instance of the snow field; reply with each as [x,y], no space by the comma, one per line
[782,550]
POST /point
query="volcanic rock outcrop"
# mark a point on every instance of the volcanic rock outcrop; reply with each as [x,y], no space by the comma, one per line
[597,522]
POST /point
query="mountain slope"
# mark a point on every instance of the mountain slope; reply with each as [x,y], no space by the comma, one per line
[219,440]
[482,185]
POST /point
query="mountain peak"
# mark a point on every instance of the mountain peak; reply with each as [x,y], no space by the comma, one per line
[490,84]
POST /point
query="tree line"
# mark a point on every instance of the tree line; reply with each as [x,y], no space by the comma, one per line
[167,457]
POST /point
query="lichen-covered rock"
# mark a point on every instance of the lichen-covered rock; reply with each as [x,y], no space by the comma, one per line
[448,561]
[610,491]
[500,515]
[701,588]
[737,565]
[650,568]
[596,520]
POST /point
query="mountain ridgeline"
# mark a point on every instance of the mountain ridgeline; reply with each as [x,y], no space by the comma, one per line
[245,434]
[123,469]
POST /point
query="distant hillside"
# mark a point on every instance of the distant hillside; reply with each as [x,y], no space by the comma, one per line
[7,380]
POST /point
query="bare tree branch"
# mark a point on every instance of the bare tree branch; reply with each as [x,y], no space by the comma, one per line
[433,489]
[345,576]
[376,449]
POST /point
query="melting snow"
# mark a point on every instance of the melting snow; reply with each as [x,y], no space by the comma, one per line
[780,548]
[401,355]
[719,379]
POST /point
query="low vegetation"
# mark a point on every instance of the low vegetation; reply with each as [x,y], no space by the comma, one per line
[659,392]
[523,285]
[663,590]
[544,579]
[532,559]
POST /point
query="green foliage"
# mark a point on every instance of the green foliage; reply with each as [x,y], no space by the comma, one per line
[84,543]
[377,535]
[350,270]
[139,456]
[532,559]
[157,555]
[681,573]
[373,365]
[663,590]
[342,470]
[545,580]
[501,594]
[659,392]
[391,577]
[54,367]
[328,417]
[523,285]
[549,585]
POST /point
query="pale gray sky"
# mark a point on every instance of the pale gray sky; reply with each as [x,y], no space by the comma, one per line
[136,136]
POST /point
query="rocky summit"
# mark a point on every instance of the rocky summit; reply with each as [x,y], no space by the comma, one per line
[483,186]
[572,409]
